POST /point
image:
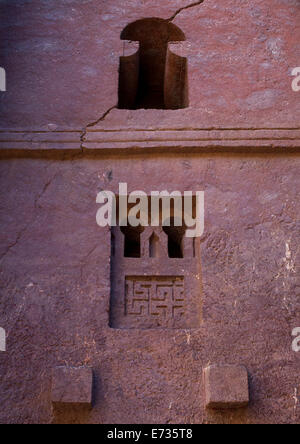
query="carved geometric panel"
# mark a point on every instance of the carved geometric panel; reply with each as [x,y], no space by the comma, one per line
[161,297]
[151,302]
[155,290]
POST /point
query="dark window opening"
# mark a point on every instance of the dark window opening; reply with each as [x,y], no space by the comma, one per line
[175,240]
[132,242]
[154,77]
[113,245]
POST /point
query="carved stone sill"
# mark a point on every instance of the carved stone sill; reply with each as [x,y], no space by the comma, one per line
[139,141]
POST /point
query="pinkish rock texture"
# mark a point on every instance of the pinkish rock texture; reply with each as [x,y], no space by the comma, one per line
[55,289]
[62,140]
[62,62]
[226,387]
[72,386]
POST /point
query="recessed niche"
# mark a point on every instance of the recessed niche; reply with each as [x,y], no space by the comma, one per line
[172,229]
[155,273]
[132,241]
[175,240]
[154,77]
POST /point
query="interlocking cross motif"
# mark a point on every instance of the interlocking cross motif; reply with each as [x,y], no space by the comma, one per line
[154,296]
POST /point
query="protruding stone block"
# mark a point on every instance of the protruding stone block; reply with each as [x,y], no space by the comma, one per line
[71,385]
[226,387]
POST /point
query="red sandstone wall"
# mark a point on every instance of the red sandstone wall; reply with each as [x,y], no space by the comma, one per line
[56,287]
[62,60]
[62,68]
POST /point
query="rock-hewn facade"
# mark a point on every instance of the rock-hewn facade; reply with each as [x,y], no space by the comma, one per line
[201,101]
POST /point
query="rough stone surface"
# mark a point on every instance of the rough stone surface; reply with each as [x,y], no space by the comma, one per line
[62,60]
[158,291]
[55,290]
[72,386]
[226,387]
